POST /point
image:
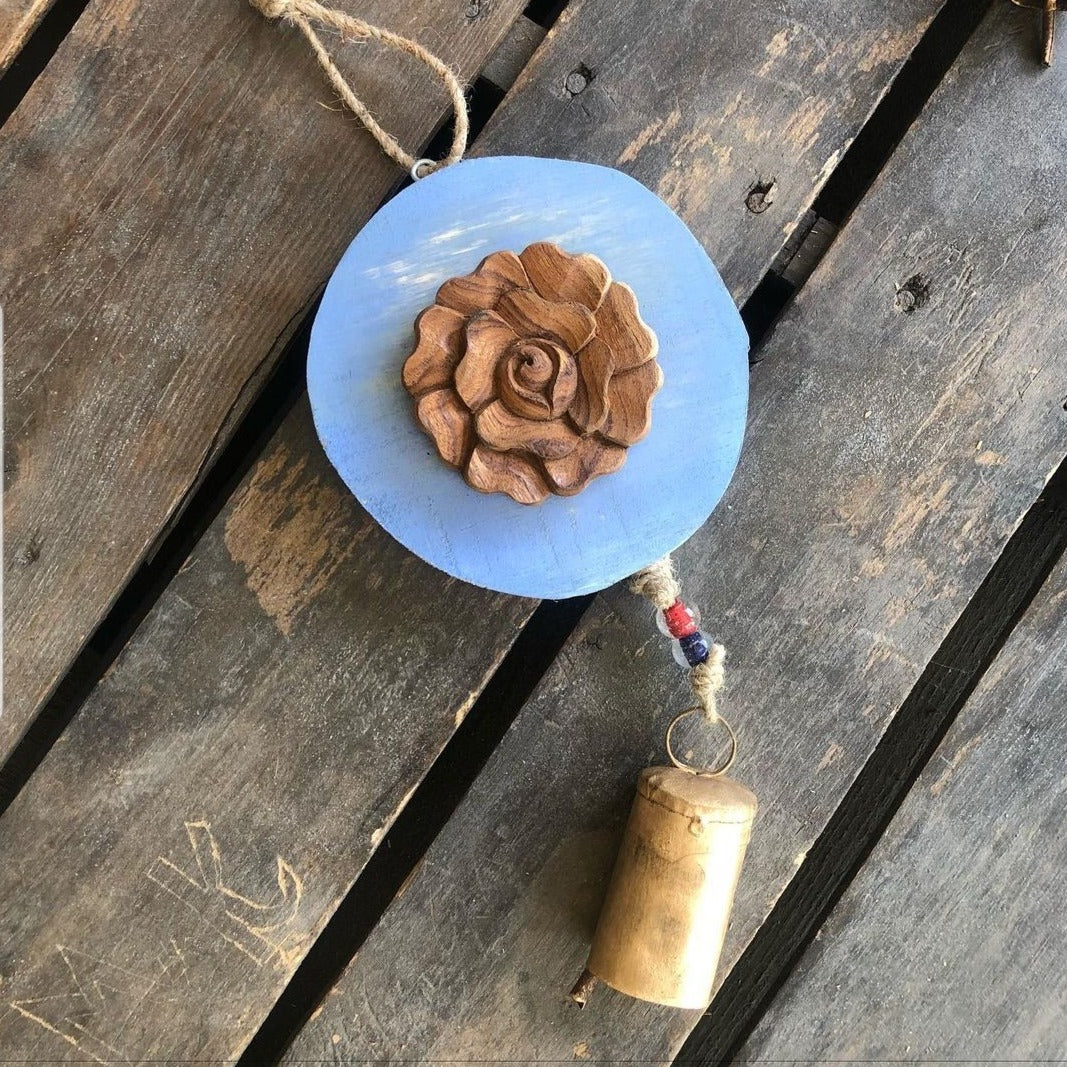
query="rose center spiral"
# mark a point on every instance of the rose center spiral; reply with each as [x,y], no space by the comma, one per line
[537,379]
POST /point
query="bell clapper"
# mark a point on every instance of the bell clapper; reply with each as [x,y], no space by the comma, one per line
[583,988]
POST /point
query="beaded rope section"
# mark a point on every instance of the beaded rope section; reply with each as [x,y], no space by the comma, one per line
[659,585]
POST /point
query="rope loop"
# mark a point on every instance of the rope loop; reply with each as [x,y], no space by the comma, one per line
[302,13]
[657,584]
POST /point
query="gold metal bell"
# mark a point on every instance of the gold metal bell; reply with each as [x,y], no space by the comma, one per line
[663,923]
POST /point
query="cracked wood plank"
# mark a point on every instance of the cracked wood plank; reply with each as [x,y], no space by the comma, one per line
[176,187]
[949,945]
[890,455]
[300,674]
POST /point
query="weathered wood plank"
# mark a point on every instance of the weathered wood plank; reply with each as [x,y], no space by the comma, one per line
[187,837]
[317,673]
[949,945]
[890,455]
[18,19]
[754,94]
[173,195]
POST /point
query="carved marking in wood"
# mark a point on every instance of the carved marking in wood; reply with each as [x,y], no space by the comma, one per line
[85,1000]
[534,374]
[261,929]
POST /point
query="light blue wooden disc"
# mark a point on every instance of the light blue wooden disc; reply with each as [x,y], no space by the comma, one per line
[443,226]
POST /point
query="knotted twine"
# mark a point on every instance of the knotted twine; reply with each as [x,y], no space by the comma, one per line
[301,14]
[658,584]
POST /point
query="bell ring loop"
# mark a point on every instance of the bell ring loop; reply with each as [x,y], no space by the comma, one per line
[421,168]
[714,770]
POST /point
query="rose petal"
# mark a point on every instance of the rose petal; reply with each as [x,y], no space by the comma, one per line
[443,416]
[590,405]
[531,315]
[558,275]
[537,380]
[500,429]
[565,385]
[484,286]
[437,351]
[630,403]
[620,326]
[505,265]
[589,460]
[506,472]
[487,339]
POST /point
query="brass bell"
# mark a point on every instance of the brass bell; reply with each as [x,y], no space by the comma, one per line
[664,920]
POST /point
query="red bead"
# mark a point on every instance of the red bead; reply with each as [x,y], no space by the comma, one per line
[679,620]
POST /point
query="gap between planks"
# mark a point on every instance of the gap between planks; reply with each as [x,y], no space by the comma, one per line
[18,21]
[948,946]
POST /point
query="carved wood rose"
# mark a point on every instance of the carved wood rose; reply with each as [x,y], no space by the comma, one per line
[534,374]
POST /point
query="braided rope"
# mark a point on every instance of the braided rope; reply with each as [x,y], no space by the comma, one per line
[301,13]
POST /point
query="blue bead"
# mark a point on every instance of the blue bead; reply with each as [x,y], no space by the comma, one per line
[695,647]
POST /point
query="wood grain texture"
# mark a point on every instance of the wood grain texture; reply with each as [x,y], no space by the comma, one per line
[295,681]
[18,19]
[174,195]
[949,945]
[758,94]
[889,457]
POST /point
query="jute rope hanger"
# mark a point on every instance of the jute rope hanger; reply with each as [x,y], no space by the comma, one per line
[302,13]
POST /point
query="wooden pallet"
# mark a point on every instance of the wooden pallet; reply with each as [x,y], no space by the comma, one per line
[949,945]
[286,707]
[885,468]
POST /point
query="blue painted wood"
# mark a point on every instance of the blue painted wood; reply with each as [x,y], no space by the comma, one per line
[443,226]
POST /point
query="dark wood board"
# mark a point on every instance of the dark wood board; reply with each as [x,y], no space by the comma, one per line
[289,690]
[174,193]
[890,455]
[949,945]
[18,19]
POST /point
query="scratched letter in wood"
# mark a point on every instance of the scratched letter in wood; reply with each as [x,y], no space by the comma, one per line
[440,228]
[889,457]
[185,841]
[949,945]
